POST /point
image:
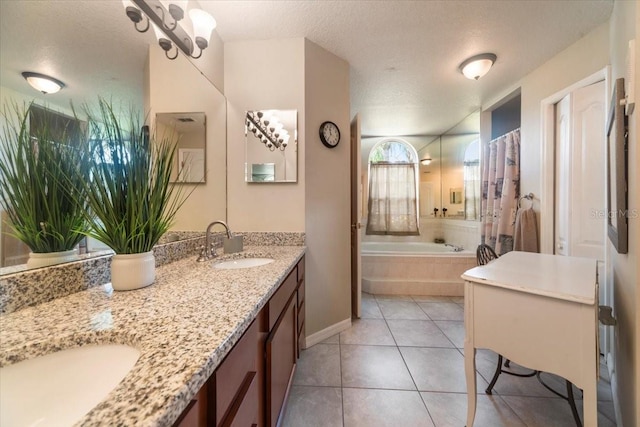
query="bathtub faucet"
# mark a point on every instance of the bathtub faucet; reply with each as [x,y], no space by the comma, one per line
[456,248]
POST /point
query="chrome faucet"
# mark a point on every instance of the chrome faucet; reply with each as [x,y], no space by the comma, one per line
[456,248]
[209,251]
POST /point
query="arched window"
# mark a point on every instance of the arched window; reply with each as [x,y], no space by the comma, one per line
[393,196]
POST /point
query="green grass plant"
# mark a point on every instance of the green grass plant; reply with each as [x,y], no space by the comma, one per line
[132,202]
[43,173]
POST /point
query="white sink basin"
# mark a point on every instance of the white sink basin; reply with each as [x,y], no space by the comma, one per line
[242,263]
[59,388]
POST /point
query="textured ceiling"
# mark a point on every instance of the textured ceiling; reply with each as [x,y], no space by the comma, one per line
[403,55]
[90,45]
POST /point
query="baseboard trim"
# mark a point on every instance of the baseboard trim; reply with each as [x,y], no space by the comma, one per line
[613,378]
[322,335]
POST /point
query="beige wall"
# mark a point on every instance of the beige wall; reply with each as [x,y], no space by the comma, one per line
[582,59]
[327,191]
[314,82]
[263,75]
[177,86]
[624,268]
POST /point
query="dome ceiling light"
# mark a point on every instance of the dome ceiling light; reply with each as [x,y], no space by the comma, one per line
[477,66]
[42,82]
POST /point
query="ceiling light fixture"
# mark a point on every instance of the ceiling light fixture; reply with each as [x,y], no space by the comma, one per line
[42,82]
[166,24]
[477,66]
[267,129]
[426,161]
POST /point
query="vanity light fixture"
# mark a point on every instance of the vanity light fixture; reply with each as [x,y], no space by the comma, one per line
[426,161]
[42,82]
[267,129]
[477,66]
[167,25]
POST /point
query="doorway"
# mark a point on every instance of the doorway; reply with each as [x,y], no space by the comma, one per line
[573,177]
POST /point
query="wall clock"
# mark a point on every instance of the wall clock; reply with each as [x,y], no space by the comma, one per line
[329,134]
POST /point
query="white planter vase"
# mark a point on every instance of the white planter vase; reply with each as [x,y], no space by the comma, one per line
[132,271]
[51,258]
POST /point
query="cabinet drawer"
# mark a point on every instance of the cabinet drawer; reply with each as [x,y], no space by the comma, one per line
[281,359]
[245,410]
[232,372]
[279,300]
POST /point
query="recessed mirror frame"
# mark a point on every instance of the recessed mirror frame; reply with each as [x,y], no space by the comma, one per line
[617,213]
[266,163]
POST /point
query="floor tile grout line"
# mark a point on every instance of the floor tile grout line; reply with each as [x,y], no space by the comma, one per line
[407,366]
[444,333]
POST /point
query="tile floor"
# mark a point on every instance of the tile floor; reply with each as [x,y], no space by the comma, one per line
[402,365]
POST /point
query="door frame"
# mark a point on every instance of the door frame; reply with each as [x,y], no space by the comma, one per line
[356,216]
[547,192]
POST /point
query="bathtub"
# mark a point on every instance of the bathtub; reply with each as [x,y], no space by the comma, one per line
[414,268]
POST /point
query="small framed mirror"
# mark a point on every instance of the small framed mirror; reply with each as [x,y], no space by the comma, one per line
[188,130]
[271,144]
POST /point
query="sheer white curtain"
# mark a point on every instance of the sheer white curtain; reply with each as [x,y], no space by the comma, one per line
[392,199]
[500,191]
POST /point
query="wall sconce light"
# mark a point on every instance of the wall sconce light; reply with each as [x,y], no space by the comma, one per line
[42,82]
[267,129]
[477,66]
[166,26]
[426,161]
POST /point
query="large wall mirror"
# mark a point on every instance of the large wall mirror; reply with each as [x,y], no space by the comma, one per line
[188,132]
[108,60]
[271,144]
[450,172]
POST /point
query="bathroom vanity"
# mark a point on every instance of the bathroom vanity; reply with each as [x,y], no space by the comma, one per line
[250,386]
[217,346]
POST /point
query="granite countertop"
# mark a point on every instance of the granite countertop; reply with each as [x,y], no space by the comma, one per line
[184,325]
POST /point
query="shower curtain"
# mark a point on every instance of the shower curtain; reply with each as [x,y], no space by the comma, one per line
[500,191]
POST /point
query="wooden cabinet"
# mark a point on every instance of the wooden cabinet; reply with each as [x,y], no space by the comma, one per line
[282,344]
[281,358]
[234,382]
[250,386]
[301,308]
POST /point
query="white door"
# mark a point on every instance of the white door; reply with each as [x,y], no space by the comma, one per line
[580,173]
[563,176]
[356,216]
[580,180]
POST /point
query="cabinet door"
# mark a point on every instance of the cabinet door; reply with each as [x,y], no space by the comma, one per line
[281,359]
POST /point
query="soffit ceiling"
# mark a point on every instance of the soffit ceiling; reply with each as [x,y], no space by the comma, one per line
[404,55]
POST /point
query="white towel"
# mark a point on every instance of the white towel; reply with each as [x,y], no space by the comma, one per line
[525,234]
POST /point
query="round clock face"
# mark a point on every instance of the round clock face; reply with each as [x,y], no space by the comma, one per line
[329,134]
